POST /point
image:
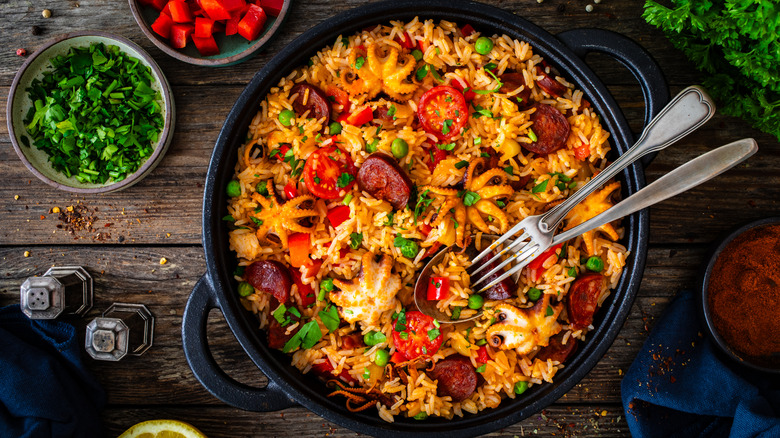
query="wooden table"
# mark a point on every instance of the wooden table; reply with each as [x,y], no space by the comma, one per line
[160,217]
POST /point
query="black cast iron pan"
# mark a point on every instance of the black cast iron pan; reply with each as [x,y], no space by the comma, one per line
[287,386]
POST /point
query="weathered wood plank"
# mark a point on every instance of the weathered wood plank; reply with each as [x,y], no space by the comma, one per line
[580,421]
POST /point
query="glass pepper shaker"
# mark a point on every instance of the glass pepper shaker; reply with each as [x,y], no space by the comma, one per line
[65,291]
[123,329]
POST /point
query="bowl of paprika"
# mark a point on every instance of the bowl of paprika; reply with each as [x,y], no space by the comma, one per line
[740,295]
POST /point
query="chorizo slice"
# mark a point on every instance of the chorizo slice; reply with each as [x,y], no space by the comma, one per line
[583,299]
[513,81]
[548,84]
[271,277]
[505,289]
[456,377]
[556,350]
[551,129]
[382,177]
[312,100]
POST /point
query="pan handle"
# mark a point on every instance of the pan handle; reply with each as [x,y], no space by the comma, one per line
[633,56]
[205,368]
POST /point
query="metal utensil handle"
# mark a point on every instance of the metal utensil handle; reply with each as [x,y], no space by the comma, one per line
[683,178]
[685,113]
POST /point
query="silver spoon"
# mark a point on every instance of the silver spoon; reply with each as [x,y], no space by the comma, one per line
[685,177]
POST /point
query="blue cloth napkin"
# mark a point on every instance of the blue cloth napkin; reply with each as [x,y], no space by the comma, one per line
[45,390]
[679,386]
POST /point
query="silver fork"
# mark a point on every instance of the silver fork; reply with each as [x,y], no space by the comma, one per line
[684,114]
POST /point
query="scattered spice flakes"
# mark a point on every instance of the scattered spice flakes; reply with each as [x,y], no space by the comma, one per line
[80,218]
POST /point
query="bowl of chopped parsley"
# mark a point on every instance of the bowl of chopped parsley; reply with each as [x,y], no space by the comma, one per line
[90,112]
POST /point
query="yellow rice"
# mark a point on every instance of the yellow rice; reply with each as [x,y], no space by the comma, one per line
[454,55]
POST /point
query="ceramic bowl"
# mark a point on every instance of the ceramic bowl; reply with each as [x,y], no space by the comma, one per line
[36,160]
[233,49]
[769,366]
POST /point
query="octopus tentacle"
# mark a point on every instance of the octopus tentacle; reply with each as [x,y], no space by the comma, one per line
[482,180]
[476,220]
[490,192]
[281,218]
[496,213]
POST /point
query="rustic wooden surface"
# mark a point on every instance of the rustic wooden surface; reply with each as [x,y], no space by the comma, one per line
[160,217]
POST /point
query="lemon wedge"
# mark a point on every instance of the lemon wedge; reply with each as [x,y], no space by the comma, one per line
[162,429]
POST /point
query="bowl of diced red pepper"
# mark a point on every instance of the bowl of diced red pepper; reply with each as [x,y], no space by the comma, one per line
[210,32]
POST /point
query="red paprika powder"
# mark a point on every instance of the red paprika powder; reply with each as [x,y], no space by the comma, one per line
[744,293]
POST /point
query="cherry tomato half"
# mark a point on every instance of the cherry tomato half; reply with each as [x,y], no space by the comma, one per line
[329,173]
[443,112]
[420,336]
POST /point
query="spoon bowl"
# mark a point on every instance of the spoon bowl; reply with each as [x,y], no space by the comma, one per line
[429,307]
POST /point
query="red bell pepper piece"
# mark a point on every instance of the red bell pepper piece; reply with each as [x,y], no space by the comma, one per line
[582,152]
[461,85]
[234,5]
[180,33]
[360,117]
[252,24]
[272,7]
[311,269]
[337,215]
[425,229]
[166,9]
[180,11]
[397,357]
[299,249]
[162,26]
[536,265]
[283,149]
[231,26]
[467,30]
[406,41]
[305,291]
[482,355]
[215,10]
[291,190]
[204,27]
[438,288]
[324,370]
[436,155]
[206,46]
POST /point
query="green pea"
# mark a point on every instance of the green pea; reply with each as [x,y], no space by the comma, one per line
[381,358]
[399,148]
[595,264]
[476,302]
[534,294]
[234,189]
[245,289]
[521,387]
[421,416]
[483,46]
[286,116]
[418,55]
[334,128]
